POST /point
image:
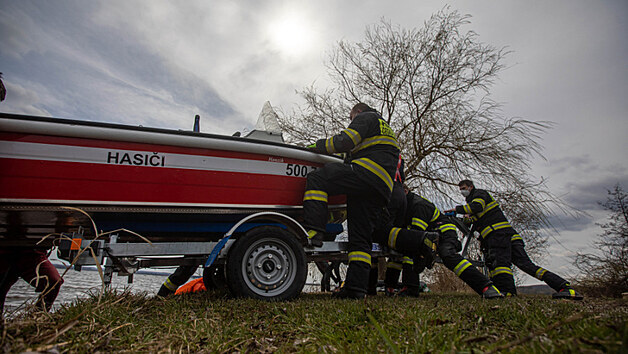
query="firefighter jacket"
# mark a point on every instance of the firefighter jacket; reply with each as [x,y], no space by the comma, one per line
[485,213]
[371,148]
[421,214]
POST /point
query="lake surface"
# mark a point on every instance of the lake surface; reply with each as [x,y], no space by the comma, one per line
[81,284]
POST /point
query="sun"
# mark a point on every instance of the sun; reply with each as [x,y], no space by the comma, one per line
[291,35]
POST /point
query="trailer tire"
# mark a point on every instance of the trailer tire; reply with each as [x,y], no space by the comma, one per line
[266,263]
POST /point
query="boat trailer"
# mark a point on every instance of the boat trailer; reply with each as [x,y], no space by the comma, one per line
[268,262]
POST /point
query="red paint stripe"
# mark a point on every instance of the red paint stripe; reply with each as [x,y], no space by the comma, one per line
[33,179]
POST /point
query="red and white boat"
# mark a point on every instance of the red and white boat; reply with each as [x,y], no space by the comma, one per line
[158,182]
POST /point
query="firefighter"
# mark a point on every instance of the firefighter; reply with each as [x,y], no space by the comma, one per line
[35,268]
[415,246]
[422,214]
[503,245]
[366,178]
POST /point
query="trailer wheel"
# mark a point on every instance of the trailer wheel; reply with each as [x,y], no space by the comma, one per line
[214,277]
[266,263]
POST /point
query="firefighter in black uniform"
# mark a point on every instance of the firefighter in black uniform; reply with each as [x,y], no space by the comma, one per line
[422,214]
[416,246]
[395,265]
[366,178]
[503,245]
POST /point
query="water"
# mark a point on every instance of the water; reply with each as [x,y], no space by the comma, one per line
[80,284]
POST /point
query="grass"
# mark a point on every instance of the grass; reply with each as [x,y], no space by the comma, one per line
[212,322]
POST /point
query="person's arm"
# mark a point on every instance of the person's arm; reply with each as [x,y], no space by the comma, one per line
[346,140]
[476,206]
[421,216]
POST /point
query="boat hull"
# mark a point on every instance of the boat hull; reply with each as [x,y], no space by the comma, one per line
[111,170]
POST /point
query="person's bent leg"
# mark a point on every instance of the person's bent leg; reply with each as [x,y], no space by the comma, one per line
[393,270]
[499,262]
[409,278]
[331,179]
[448,249]
[37,270]
[415,244]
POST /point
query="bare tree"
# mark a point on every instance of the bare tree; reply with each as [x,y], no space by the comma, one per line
[432,86]
[606,272]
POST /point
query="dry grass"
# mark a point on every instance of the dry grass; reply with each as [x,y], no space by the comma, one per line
[213,322]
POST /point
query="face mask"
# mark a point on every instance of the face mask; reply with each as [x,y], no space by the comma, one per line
[465,193]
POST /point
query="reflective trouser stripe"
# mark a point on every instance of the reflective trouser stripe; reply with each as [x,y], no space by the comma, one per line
[540,273]
[500,225]
[447,227]
[501,270]
[394,265]
[358,256]
[392,237]
[407,260]
[321,196]
[516,237]
[461,267]
[168,284]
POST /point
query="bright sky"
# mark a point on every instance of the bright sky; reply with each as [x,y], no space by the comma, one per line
[159,63]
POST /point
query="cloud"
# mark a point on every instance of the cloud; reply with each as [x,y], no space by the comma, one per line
[22,101]
[97,72]
[587,193]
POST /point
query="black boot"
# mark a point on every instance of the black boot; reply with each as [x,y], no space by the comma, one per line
[344,293]
[164,291]
[409,291]
[314,238]
[567,292]
[491,292]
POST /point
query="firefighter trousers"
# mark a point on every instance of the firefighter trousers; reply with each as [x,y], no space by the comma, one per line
[410,277]
[448,249]
[522,261]
[364,208]
[498,257]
